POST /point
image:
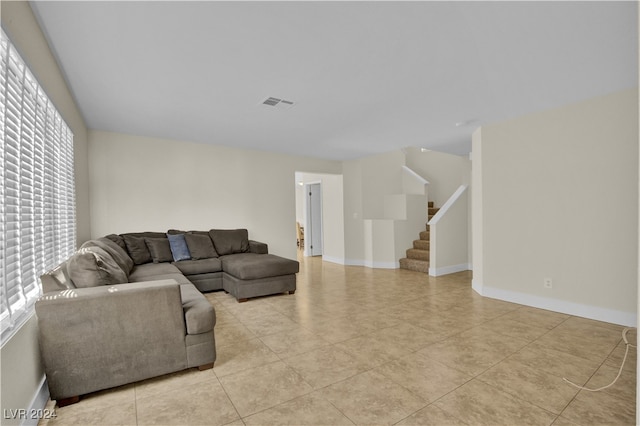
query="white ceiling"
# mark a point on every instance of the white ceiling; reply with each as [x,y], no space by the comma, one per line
[366,77]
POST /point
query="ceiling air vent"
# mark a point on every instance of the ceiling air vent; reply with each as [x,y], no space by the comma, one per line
[277,103]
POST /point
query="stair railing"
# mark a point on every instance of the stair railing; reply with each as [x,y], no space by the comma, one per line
[412,182]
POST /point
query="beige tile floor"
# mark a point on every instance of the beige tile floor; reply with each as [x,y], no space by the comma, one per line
[364,346]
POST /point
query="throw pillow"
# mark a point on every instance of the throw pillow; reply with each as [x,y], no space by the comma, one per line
[179,247]
[137,249]
[160,249]
[92,267]
[230,241]
[200,246]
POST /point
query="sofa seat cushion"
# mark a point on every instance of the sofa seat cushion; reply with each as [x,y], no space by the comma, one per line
[180,279]
[140,272]
[202,266]
[250,266]
[198,313]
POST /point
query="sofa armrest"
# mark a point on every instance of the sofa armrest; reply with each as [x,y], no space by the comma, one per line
[100,337]
[258,247]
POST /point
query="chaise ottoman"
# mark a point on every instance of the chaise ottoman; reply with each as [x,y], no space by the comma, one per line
[248,275]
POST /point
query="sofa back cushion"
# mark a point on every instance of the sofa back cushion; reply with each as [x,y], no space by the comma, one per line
[137,248]
[159,249]
[200,246]
[230,241]
[118,240]
[92,266]
[115,251]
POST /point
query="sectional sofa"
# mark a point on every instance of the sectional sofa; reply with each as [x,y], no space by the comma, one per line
[128,307]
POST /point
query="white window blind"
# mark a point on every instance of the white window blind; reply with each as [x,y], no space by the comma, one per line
[38,229]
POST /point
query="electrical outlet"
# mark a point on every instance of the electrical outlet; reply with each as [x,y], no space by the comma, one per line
[548,283]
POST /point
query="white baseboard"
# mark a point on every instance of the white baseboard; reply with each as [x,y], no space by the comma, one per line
[367,264]
[382,265]
[628,319]
[37,405]
[338,260]
[477,286]
[360,262]
[436,272]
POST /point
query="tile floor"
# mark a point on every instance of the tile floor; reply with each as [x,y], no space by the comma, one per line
[364,346]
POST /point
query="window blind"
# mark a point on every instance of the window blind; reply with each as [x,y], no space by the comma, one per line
[37,188]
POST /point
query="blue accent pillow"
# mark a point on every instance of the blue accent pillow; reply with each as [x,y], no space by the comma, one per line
[179,248]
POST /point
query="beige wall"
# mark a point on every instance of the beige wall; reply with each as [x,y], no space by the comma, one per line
[353,225]
[140,183]
[22,370]
[449,249]
[445,172]
[381,175]
[333,219]
[560,200]
[477,213]
[366,183]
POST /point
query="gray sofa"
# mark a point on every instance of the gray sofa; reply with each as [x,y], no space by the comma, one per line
[221,259]
[121,309]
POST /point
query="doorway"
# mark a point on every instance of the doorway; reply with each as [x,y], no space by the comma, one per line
[313,229]
[327,215]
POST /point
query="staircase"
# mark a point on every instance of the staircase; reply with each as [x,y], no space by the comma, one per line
[418,257]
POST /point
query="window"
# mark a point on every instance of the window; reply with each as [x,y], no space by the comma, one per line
[37,189]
